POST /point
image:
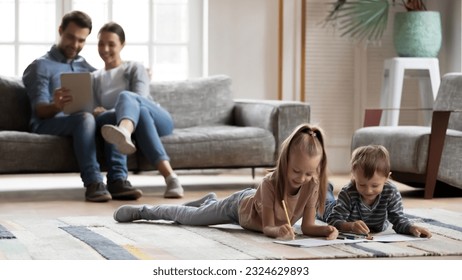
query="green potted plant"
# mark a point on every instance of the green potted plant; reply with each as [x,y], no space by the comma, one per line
[416,32]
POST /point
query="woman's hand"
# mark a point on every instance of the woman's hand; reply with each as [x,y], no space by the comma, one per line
[420,232]
[98,110]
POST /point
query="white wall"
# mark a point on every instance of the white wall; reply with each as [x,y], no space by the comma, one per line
[243,43]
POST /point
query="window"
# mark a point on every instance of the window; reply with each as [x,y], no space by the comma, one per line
[165,35]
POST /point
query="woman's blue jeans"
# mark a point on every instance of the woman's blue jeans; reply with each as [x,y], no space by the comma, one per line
[151,122]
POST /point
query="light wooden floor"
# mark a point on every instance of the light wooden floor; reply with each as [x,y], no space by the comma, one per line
[50,195]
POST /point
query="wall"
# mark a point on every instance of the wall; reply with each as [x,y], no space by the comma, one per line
[243,43]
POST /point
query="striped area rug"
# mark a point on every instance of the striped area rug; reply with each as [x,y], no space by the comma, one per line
[100,237]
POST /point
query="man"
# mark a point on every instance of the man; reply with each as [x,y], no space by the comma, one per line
[47,98]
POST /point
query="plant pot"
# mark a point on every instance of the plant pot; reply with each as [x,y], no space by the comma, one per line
[417,34]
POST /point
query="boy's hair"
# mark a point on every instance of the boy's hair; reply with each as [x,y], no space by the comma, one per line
[114,28]
[78,17]
[371,159]
[310,139]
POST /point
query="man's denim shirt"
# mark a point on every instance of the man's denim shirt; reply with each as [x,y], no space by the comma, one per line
[42,77]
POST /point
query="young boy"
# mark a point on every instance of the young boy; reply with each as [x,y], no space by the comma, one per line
[370,201]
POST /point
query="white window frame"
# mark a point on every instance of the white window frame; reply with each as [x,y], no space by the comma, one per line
[194,44]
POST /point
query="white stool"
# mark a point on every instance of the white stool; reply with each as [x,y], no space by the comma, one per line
[392,85]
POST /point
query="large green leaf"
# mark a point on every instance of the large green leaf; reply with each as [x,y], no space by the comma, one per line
[360,19]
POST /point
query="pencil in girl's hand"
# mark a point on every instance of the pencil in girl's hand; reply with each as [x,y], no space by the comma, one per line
[287,214]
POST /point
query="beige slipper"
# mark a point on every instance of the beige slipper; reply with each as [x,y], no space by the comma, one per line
[119,137]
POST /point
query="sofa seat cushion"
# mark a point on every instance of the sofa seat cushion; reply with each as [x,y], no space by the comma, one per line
[218,147]
[24,152]
[450,170]
[408,148]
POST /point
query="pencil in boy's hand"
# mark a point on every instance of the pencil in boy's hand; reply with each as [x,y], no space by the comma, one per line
[287,214]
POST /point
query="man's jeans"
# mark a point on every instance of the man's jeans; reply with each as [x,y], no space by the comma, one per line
[81,127]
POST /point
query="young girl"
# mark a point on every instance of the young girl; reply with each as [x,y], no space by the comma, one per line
[370,200]
[296,180]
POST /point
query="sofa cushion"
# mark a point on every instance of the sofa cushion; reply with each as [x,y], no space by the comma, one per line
[196,102]
[14,105]
[455,121]
[451,161]
[218,147]
[449,98]
[25,152]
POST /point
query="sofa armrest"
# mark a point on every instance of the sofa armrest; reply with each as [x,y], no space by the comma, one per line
[278,116]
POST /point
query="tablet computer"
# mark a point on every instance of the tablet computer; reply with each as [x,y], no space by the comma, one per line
[79,85]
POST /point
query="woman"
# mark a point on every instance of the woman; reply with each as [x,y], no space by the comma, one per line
[123,107]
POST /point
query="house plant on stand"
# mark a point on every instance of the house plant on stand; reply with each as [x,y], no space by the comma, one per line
[416,32]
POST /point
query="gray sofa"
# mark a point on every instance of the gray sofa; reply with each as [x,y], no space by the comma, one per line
[211,129]
[424,154]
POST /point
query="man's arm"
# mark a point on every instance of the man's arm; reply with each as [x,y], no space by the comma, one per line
[48,110]
[37,86]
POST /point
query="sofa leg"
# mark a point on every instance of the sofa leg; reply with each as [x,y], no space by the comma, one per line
[435,150]
[253,172]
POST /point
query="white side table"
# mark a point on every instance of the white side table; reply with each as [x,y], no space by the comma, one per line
[392,85]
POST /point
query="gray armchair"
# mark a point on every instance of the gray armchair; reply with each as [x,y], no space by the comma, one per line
[423,154]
